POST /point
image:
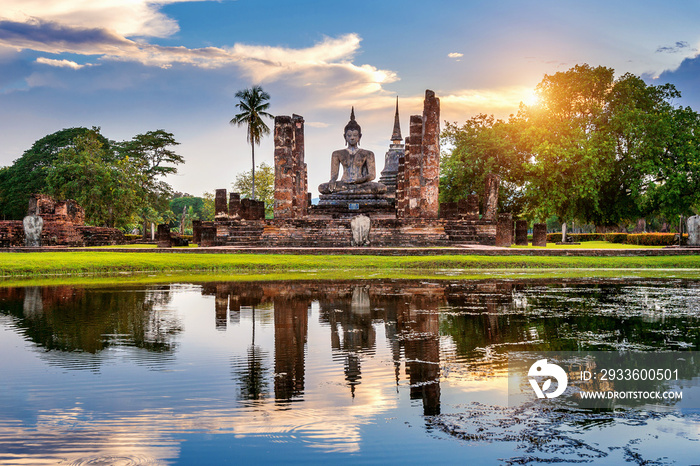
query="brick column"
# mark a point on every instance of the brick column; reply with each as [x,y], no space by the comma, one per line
[491,197]
[284,167]
[220,204]
[504,230]
[521,232]
[299,169]
[413,167]
[472,207]
[430,160]
[234,205]
[539,234]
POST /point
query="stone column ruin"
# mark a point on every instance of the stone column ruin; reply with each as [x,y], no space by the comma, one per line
[291,182]
[491,197]
[420,171]
[539,234]
[694,230]
[504,230]
[430,156]
[521,232]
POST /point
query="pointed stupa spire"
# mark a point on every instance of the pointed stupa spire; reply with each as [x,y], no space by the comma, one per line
[396,134]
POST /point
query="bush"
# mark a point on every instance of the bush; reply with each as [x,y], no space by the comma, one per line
[575,237]
[654,239]
[616,237]
[554,237]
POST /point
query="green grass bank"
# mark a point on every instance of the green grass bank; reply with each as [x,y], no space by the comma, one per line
[59,266]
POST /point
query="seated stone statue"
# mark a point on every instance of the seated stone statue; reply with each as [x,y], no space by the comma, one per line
[358,166]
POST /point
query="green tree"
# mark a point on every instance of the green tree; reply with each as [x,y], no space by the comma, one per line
[153,155]
[264,180]
[27,175]
[253,104]
[207,214]
[604,150]
[106,188]
[481,146]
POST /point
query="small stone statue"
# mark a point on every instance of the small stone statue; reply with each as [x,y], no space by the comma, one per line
[360,226]
[358,164]
[33,224]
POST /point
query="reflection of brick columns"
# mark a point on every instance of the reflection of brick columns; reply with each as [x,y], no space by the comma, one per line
[291,329]
[521,232]
[221,306]
[421,340]
[539,234]
[504,230]
[430,163]
[491,197]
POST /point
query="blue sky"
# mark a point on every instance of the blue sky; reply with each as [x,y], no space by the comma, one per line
[130,66]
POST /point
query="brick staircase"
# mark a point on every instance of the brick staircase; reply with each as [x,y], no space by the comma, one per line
[243,233]
[467,232]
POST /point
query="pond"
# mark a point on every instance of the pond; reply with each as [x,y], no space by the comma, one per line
[298,372]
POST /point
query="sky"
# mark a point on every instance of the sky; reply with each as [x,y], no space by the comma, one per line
[132,66]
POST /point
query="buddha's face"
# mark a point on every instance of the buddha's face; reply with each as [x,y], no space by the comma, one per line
[352,137]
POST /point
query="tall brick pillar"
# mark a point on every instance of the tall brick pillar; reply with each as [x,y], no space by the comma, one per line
[220,203]
[430,149]
[504,230]
[284,173]
[539,235]
[491,197]
[299,167]
[413,167]
[291,183]
[521,232]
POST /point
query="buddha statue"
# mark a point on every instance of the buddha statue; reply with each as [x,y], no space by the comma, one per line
[358,164]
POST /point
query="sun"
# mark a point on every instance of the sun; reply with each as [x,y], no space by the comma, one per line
[532,98]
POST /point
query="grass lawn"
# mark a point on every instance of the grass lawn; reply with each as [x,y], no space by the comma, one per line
[115,266]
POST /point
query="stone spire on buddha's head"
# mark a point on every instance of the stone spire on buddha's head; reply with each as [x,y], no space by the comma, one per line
[352,125]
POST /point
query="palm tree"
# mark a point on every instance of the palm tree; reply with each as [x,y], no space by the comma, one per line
[253,104]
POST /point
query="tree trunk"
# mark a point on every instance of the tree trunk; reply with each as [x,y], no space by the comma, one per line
[252,148]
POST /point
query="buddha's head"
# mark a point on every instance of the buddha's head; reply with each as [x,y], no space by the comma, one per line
[352,132]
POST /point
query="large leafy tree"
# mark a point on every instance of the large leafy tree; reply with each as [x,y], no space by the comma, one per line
[482,146]
[27,175]
[608,150]
[107,188]
[152,152]
[264,181]
[253,104]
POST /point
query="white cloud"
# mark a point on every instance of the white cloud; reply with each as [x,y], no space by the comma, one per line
[125,17]
[455,55]
[61,63]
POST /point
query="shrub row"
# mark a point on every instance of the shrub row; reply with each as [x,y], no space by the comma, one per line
[643,239]
[576,237]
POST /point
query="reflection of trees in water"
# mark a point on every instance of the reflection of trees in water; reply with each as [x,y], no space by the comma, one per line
[251,374]
[71,318]
[610,316]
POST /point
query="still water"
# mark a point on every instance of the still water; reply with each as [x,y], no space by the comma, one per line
[348,372]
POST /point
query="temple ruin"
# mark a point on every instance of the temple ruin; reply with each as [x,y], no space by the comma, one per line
[403,205]
[63,224]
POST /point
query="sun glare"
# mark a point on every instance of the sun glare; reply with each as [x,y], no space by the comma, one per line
[531,98]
